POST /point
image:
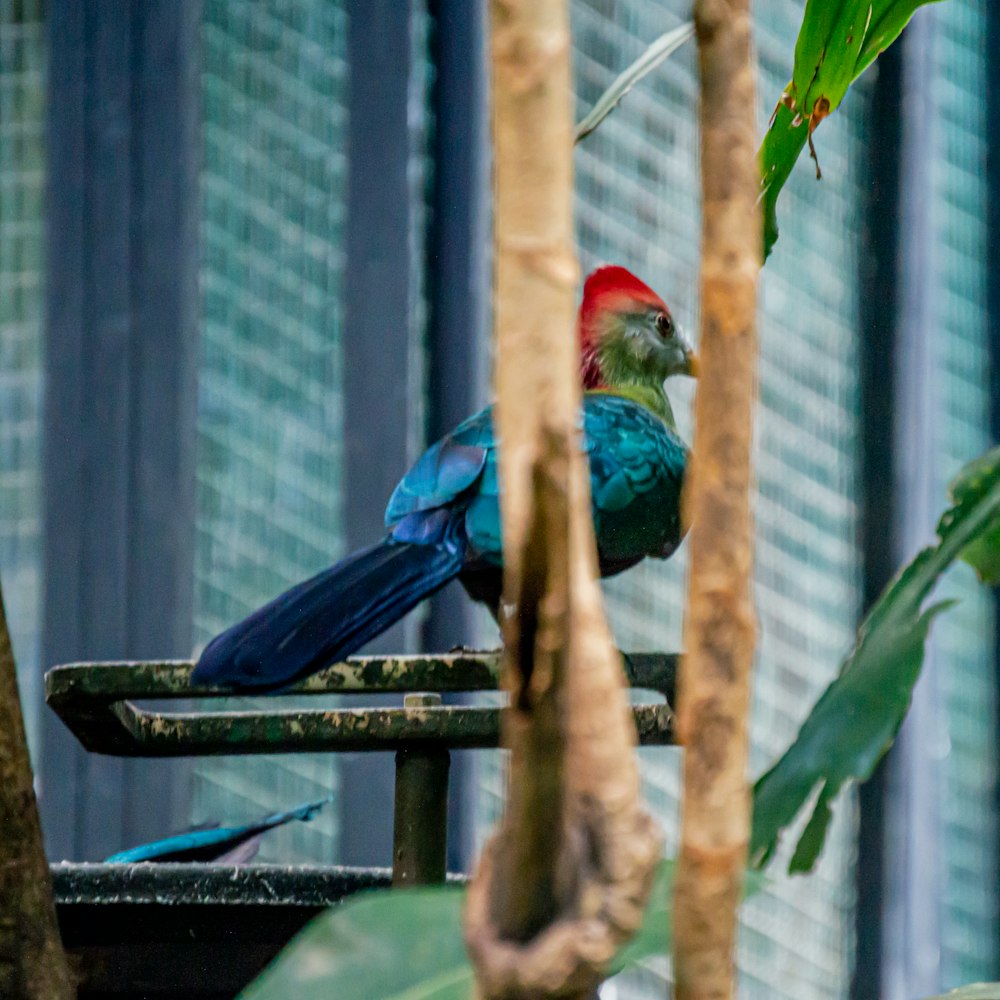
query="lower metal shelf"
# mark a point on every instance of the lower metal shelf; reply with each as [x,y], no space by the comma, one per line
[197,932]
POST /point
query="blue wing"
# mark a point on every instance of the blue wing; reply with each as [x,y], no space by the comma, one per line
[445,471]
[636,472]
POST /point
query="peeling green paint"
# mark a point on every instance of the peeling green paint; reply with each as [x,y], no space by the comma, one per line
[96,701]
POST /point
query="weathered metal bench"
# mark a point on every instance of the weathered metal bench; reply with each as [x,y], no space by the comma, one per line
[203,931]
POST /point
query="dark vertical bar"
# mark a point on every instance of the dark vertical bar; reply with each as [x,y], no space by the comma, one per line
[993,334]
[420,817]
[165,308]
[878,308]
[458,239]
[120,367]
[64,463]
[103,503]
[458,248]
[913,875]
[378,313]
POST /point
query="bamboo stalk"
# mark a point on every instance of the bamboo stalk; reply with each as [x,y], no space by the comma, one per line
[714,683]
[32,962]
[566,878]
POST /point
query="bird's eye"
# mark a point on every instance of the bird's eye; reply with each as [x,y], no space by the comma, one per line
[664,325]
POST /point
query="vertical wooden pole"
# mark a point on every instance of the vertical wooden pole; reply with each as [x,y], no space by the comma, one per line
[714,694]
[32,962]
[565,880]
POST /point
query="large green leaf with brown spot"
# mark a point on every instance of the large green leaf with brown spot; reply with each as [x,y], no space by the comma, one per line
[837,42]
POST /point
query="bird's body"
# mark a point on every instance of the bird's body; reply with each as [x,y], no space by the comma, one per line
[443,519]
[636,471]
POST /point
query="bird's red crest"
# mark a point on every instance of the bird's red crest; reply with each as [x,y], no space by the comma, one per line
[608,289]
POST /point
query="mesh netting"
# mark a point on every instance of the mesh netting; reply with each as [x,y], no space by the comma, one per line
[270,422]
[962,640]
[22,181]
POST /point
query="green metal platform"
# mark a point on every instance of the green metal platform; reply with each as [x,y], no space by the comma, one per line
[202,931]
[97,702]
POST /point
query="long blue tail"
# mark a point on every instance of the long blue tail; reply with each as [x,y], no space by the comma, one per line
[213,843]
[328,617]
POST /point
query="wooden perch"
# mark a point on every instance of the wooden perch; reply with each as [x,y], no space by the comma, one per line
[32,962]
[566,879]
[714,683]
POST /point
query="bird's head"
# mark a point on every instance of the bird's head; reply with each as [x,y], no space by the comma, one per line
[627,334]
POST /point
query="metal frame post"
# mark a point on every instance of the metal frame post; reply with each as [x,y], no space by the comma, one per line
[913,871]
[420,818]
[878,301]
[379,310]
[878,305]
[897,920]
[120,369]
[458,291]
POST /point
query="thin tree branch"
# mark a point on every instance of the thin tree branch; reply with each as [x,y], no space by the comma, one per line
[714,686]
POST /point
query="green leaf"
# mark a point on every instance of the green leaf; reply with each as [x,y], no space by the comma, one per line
[401,944]
[857,718]
[664,46]
[975,991]
[836,43]
[785,139]
[887,22]
[656,932]
[983,553]
[827,51]
[406,944]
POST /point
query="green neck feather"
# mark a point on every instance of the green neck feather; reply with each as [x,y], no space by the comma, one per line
[653,398]
[624,376]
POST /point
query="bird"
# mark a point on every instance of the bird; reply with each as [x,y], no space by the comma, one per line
[221,844]
[443,518]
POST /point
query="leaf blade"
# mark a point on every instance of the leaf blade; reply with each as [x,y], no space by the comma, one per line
[835,44]
[656,53]
[983,553]
[856,719]
[406,944]
[390,945]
